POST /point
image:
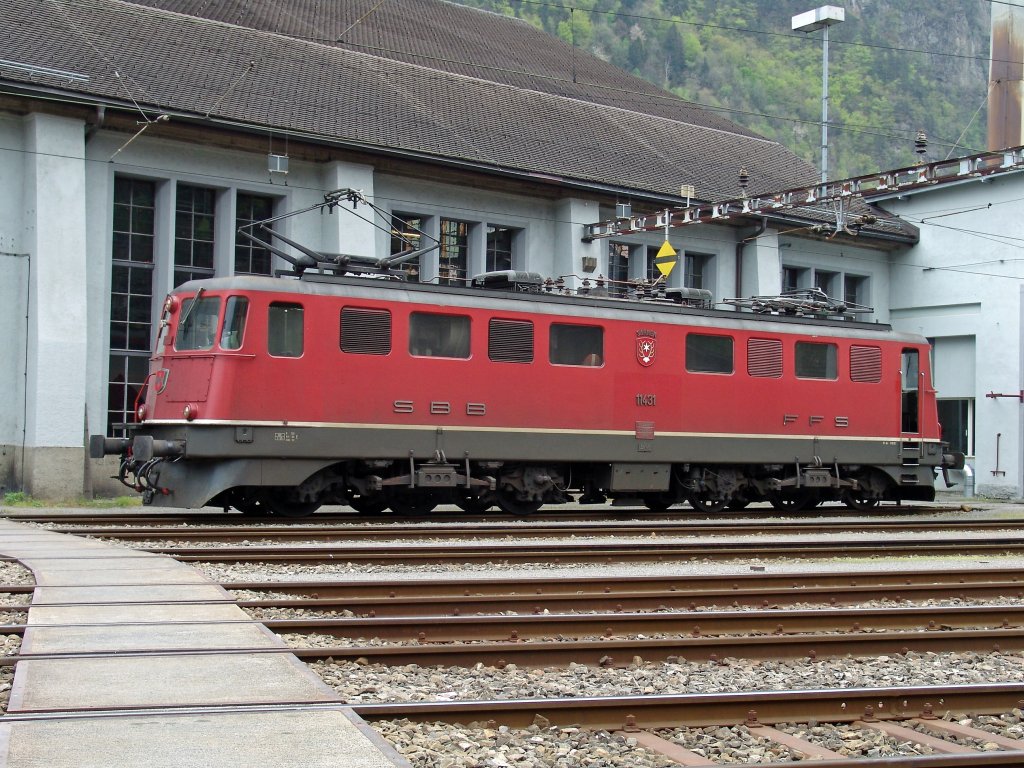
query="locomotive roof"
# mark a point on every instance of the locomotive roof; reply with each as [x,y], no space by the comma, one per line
[542,303]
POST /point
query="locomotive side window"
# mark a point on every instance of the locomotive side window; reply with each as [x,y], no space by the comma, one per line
[433,335]
[815,360]
[284,329]
[365,331]
[234,322]
[199,328]
[764,358]
[510,341]
[576,345]
[865,364]
[708,354]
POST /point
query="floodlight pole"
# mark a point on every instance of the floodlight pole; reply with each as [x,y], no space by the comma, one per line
[810,21]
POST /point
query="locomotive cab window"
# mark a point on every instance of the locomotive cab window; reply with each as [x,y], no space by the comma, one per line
[198,329]
[284,329]
[708,354]
[576,345]
[433,335]
[233,333]
[815,360]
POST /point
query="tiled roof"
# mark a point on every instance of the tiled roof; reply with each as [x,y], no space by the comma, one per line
[421,76]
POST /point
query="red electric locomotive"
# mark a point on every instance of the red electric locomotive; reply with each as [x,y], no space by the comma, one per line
[272,394]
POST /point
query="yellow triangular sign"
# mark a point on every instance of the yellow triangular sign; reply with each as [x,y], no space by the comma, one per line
[666,258]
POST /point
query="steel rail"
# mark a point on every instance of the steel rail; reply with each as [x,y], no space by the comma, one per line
[391,587]
[589,551]
[677,593]
[478,531]
[621,653]
[787,623]
[702,710]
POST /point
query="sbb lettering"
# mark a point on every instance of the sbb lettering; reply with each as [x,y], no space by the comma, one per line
[439,408]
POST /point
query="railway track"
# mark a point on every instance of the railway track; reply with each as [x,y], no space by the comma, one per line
[614,623]
[489,531]
[663,724]
[343,515]
[590,551]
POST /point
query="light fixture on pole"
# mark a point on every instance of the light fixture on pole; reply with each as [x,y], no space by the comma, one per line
[811,21]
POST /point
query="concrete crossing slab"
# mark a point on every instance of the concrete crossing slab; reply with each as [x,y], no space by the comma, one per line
[166,592]
[163,681]
[125,638]
[134,631]
[284,739]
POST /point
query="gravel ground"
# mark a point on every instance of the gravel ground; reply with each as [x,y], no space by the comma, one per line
[1010,725]
[851,741]
[438,745]
[737,744]
[12,572]
[347,571]
[365,683]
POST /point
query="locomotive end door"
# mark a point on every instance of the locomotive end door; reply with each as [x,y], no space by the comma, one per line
[911,385]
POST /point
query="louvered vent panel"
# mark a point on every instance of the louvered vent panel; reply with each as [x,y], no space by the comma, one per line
[764,358]
[866,364]
[365,331]
[510,341]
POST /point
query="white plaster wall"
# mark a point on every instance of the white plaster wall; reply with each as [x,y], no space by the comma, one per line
[54,234]
[843,259]
[14,270]
[964,279]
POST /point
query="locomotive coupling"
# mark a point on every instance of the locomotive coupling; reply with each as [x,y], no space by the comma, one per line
[144,447]
[953,460]
[100,446]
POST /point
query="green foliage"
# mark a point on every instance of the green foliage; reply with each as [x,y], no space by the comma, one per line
[22,499]
[895,67]
[19,499]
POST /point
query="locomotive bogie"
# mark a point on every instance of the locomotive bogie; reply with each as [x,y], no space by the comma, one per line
[346,391]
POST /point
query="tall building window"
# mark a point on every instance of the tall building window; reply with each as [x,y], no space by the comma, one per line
[499,248]
[696,268]
[453,257]
[651,271]
[250,258]
[193,233]
[854,289]
[618,269]
[957,419]
[131,298]
[792,279]
[405,234]
[825,281]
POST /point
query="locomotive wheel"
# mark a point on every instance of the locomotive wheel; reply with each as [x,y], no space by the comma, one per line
[513,506]
[368,505]
[292,508]
[705,504]
[795,503]
[858,502]
[475,505]
[410,502]
[280,504]
[659,502]
[737,504]
[412,507]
